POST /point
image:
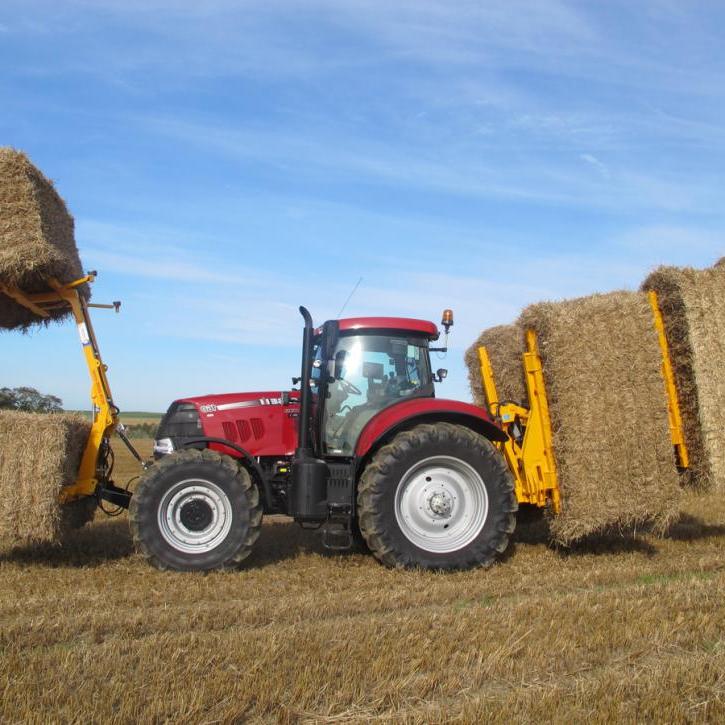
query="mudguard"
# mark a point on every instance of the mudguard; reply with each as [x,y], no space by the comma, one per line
[426,410]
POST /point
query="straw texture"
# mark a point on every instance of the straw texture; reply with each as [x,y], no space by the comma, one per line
[36,236]
[505,345]
[693,307]
[39,454]
[606,392]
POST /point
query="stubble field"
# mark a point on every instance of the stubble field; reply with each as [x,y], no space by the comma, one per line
[627,629]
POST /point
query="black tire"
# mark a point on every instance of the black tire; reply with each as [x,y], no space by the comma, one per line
[358,540]
[378,499]
[235,501]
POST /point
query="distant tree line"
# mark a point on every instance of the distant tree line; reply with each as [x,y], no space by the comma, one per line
[29,400]
[142,430]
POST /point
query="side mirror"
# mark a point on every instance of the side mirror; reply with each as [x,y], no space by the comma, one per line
[440,375]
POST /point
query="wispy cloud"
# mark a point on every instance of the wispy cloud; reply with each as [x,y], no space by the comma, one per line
[596,163]
[466,170]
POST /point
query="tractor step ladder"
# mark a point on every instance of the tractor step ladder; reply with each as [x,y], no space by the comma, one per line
[528,449]
[105,413]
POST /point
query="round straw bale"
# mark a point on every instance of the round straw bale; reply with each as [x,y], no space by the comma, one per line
[39,454]
[692,303]
[602,369]
[36,237]
[505,347]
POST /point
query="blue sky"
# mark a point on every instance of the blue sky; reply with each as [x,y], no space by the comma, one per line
[228,161]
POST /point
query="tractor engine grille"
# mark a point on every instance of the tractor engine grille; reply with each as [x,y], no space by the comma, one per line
[180,422]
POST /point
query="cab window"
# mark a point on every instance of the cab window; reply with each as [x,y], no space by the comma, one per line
[370,373]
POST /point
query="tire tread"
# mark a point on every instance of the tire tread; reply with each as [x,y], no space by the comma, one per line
[375,480]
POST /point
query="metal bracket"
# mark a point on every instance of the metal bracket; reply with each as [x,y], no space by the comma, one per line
[113,494]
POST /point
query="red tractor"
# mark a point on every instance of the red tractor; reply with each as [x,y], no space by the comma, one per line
[363,450]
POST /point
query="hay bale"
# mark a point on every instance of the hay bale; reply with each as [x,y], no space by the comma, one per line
[612,444]
[505,344]
[692,302]
[39,454]
[36,237]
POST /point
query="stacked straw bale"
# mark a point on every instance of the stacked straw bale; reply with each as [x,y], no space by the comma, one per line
[36,237]
[505,345]
[602,369]
[39,454]
[693,308]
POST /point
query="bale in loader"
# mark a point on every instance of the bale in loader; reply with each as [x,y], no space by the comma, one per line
[505,345]
[36,237]
[692,303]
[602,369]
[39,454]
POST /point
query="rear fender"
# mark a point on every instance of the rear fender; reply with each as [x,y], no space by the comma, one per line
[404,415]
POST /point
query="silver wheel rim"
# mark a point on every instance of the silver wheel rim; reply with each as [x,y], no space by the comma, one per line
[441,504]
[195,516]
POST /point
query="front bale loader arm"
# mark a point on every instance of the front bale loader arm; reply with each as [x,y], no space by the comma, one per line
[93,477]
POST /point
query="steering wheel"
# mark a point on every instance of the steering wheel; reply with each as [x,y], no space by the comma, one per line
[347,387]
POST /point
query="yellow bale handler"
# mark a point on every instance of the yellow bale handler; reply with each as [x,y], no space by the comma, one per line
[93,478]
[529,449]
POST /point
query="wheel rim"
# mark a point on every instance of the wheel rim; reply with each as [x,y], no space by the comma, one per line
[195,516]
[441,504]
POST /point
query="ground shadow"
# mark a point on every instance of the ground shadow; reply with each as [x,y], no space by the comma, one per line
[533,527]
[690,528]
[282,539]
[92,545]
[110,540]
[607,542]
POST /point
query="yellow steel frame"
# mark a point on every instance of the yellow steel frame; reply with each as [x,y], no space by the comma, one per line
[673,403]
[531,461]
[105,413]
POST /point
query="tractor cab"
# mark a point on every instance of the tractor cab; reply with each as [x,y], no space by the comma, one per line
[360,367]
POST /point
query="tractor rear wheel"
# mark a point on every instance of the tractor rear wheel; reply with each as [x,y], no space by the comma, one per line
[438,496]
[195,510]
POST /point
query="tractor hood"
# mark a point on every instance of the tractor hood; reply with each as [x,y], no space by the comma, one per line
[263,423]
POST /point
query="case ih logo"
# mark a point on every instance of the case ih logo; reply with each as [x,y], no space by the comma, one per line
[209,408]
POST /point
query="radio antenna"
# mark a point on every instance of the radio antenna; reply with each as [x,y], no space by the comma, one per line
[349,297]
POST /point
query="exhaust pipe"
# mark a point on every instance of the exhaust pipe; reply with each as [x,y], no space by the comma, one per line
[308,495]
[303,430]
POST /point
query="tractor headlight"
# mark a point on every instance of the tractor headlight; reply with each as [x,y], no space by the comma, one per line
[163,446]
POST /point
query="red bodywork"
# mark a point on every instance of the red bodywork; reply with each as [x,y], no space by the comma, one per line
[264,426]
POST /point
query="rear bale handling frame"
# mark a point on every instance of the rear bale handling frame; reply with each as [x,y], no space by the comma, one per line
[528,449]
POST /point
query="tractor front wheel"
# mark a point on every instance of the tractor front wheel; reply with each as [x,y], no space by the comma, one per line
[195,511]
[438,496]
